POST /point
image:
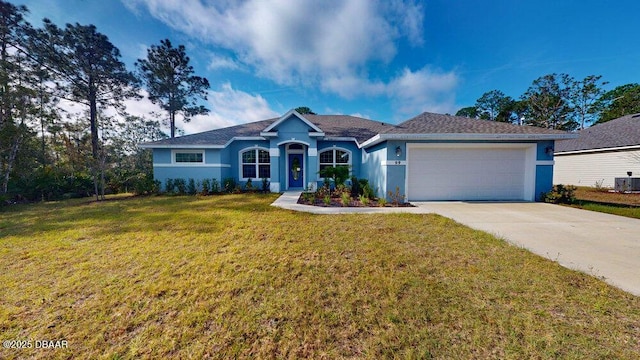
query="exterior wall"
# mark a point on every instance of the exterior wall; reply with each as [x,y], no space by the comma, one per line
[387,171]
[352,147]
[233,155]
[396,168]
[292,131]
[372,168]
[588,168]
[544,168]
[164,168]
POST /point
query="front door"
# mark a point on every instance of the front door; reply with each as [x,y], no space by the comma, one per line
[296,169]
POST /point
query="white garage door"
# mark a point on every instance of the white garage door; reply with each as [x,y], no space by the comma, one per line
[468,173]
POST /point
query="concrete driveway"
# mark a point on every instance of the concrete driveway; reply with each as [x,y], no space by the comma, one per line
[598,244]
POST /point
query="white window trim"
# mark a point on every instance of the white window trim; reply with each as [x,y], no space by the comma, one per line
[181,151]
[241,164]
[349,164]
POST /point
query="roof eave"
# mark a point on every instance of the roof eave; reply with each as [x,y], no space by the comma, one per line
[178,146]
[465,137]
[586,151]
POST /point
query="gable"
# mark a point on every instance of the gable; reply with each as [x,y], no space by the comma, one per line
[293,122]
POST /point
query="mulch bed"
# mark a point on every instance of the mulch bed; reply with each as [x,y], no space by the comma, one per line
[337,202]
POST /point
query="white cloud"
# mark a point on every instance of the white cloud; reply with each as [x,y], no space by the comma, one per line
[423,90]
[230,107]
[219,62]
[293,41]
[328,45]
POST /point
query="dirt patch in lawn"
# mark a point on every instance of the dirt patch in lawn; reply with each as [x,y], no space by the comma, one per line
[605,196]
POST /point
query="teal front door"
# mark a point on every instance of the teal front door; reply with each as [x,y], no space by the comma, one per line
[296,171]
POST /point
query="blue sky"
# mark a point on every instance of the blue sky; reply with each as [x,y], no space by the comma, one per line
[384,60]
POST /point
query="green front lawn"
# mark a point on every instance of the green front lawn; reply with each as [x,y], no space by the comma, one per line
[230,276]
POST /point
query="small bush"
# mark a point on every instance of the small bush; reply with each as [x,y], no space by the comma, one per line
[265,185]
[249,185]
[309,197]
[229,185]
[144,184]
[382,202]
[599,187]
[327,200]
[192,189]
[346,199]
[169,186]
[206,186]
[341,189]
[364,200]
[368,191]
[323,192]
[181,186]
[560,194]
[355,187]
[215,186]
[396,198]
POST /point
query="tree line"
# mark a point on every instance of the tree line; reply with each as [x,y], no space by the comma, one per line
[47,152]
[558,101]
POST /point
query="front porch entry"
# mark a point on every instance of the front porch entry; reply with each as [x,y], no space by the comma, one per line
[295,166]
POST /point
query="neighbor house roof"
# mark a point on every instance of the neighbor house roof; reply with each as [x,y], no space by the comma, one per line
[425,126]
[620,132]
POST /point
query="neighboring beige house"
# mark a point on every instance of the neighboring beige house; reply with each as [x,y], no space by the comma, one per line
[599,154]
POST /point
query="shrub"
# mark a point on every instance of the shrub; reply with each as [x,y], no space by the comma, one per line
[181,186]
[169,186]
[249,185]
[309,197]
[229,185]
[355,187]
[396,198]
[364,200]
[265,185]
[215,186]
[368,192]
[560,194]
[346,199]
[192,189]
[327,200]
[382,202]
[599,187]
[144,184]
[322,192]
[339,174]
[206,186]
[340,190]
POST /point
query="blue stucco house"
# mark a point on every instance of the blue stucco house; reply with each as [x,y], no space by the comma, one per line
[428,157]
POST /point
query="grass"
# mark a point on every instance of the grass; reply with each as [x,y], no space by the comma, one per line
[608,202]
[231,277]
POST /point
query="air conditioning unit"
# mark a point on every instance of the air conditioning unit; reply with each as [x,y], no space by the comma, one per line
[623,184]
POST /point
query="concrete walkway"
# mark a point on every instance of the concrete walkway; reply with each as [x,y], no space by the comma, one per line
[602,245]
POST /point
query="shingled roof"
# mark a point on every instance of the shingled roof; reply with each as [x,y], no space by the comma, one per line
[332,126]
[368,131]
[430,123]
[623,131]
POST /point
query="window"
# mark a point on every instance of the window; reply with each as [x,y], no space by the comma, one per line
[334,157]
[256,164]
[189,157]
